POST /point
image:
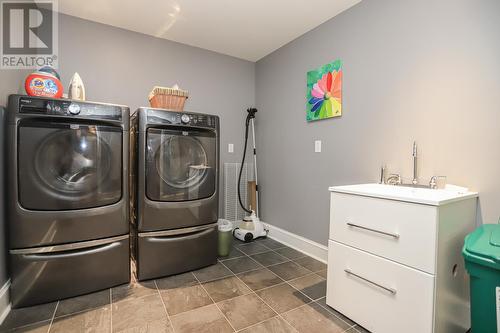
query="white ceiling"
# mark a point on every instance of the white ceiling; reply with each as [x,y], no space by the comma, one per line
[247,29]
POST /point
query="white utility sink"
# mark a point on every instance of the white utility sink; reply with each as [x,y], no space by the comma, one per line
[424,196]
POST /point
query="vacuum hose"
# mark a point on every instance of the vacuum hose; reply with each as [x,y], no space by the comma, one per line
[251,115]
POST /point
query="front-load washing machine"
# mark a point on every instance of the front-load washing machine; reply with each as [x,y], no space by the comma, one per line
[67,198]
[177,191]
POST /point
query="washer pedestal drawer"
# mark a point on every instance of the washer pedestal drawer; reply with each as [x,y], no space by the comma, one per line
[163,253]
[379,294]
[42,276]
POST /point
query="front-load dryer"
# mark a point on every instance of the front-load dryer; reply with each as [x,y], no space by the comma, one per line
[177,191]
[67,197]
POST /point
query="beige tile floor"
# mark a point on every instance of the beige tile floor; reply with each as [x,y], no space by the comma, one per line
[263,286]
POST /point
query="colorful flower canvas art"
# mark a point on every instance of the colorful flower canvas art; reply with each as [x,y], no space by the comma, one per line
[324,92]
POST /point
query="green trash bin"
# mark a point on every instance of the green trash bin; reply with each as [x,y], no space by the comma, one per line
[225,237]
[481,252]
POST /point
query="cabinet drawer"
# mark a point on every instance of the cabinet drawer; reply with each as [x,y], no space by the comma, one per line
[380,295]
[400,231]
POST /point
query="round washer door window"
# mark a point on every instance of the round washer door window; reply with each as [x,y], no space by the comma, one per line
[181,162]
[73,162]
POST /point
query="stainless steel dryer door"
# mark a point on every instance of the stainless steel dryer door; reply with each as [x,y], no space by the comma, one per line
[68,166]
[181,164]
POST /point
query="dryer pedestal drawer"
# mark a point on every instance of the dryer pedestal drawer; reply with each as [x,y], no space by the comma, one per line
[380,295]
[166,253]
[42,277]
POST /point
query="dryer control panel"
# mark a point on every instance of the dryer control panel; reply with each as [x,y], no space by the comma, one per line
[63,107]
[182,118]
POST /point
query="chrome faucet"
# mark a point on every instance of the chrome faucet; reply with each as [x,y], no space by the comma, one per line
[435,182]
[415,178]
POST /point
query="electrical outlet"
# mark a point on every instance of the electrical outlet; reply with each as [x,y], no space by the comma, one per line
[317,146]
[230,148]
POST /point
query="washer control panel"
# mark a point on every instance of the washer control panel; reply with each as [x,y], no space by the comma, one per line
[61,107]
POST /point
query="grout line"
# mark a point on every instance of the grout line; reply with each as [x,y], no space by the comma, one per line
[314,271]
[279,277]
[265,303]
[260,266]
[51,320]
[281,247]
[308,274]
[331,312]
[308,296]
[274,264]
[317,273]
[260,322]
[273,252]
[296,263]
[245,256]
[85,309]
[14,328]
[225,259]
[284,281]
[53,316]
[222,313]
[164,306]
[353,328]
[297,258]
[276,253]
[284,262]
[299,278]
[250,243]
[302,254]
[214,279]
[269,287]
[260,252]
[278,284]
[242,272]
[125,299]
[296,289]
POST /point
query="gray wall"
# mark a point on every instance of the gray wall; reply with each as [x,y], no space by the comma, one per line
[11,82]
[119,66]
[413,70]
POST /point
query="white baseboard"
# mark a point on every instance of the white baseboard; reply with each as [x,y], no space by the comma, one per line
[299,243]
[4,301]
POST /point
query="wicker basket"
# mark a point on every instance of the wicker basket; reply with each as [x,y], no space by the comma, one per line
[168,98]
